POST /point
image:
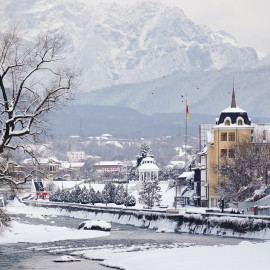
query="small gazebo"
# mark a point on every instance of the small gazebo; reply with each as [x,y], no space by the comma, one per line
[148,170]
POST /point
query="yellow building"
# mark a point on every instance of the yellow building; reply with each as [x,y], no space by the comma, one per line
[231,127]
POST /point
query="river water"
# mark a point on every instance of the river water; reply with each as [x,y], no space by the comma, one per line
[41,256]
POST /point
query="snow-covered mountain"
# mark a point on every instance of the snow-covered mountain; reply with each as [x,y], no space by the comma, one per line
[118,44]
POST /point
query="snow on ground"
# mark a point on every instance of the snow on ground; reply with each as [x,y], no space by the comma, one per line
[22,232]
[246,256]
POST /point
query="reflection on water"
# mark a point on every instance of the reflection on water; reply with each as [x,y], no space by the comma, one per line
[41,256]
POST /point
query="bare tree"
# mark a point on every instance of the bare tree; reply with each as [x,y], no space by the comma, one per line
[35,79]
[245,173]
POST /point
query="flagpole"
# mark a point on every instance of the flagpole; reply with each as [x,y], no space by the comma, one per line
[187,116]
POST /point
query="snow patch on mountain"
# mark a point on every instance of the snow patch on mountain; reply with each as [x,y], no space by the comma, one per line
[116,44]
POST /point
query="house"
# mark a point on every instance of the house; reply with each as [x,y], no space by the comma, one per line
[109,167]
[232,127]
[188,188]
[76,156]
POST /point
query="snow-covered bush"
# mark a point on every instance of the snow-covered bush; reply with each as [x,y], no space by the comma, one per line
[130,201]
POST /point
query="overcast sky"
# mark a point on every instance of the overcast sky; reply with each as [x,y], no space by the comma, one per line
[247,20]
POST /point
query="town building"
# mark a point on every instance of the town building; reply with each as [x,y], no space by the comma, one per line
[232,127]
[109,167]
[75,156]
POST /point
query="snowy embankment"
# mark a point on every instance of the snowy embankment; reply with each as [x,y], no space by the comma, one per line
[23,232]
[222,225]
[246,256]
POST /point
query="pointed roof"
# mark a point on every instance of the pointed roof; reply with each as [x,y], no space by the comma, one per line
[233,104]
[233,113]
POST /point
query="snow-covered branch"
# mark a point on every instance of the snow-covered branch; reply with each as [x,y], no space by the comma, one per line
[34,80]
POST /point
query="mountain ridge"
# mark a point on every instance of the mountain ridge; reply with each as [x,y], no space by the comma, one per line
[118,44]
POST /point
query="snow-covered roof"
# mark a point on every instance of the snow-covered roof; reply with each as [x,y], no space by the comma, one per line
[76,164]
[148,164]
[233,110]
[109,163]
[177,162]
[186,175]
[148,167]
[148,159]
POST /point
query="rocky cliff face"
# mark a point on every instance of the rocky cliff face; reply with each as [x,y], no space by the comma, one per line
[118,44]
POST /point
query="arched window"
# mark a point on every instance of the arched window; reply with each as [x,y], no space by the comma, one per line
[240,122]
[227,121]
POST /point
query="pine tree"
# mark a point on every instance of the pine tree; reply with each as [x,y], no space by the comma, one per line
[75,194]
[108,193]
[93,196]
[61,197]
[149,194]
[55,196]
[145,151]
[99,198]
[121,195]
[133,174]
[66,196]
[84,196]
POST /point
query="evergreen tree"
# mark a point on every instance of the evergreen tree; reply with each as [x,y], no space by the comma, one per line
[133,174]
[75,194]
[55,196]
[61,196]
[121,195]
[145,151]
[108,193]
[99,197]
[93,196]
[149,194]
[84,196]
[66,196]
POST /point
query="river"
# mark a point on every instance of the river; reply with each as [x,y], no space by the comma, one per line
[41,256]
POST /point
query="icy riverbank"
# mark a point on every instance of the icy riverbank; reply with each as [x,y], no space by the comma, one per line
[243,256]
[222,225]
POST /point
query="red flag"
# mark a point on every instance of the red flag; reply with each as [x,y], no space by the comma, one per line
[187,110]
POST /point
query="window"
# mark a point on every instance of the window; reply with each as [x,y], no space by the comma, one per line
[231,153]
[223,136]
[240,122]
[227,122]
[223,152]
[231,136]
